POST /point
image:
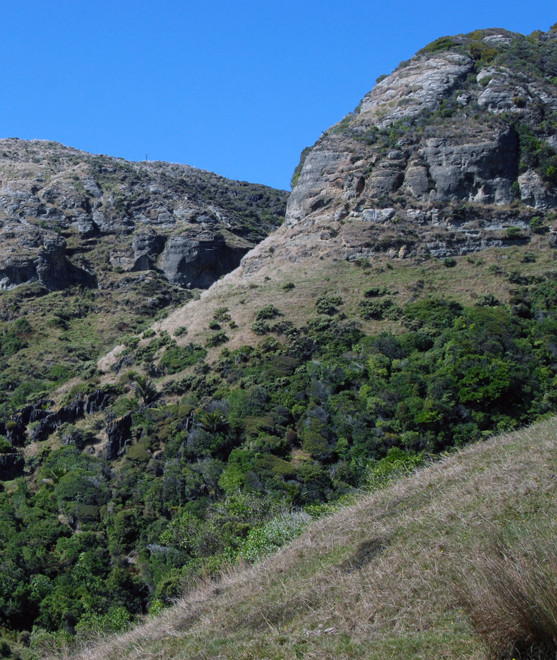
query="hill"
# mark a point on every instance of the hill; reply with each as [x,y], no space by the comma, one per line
[94,247]
[450,155]
[416,569]
[406,307]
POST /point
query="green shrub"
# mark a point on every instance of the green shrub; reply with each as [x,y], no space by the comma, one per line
[328,305]
[481,52]
[537,225]
[221,314]
[267,312]
[260,327]
[5,446]
[262,541]
[379,309]
[376,292]
[439,45]
[488,300]
[495,269]
[513,233]
[144,388]
[131,342]
[298,169]
[92,624]
[396,464]
[516,277]
[217,339]
[537,154]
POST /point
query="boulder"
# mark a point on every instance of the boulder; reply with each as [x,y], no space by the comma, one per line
[195,260]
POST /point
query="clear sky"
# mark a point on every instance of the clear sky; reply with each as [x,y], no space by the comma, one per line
[238,87]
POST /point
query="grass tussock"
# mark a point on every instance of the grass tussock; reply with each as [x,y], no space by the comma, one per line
[413,570]
[510,595]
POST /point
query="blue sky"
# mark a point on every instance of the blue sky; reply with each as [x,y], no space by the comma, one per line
[238,87]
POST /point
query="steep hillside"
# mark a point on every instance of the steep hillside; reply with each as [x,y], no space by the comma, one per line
[451,154]
[93,247]
[399,574]
[407,306]
[192,226]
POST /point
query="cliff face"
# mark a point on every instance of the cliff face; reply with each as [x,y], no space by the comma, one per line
[68,217]
[441,158]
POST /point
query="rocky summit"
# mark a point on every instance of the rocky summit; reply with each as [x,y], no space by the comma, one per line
[442,158]
[68,217]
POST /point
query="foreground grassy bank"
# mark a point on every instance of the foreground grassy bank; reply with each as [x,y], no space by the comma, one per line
[401,573]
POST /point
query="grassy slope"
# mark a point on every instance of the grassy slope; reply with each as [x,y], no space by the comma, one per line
[379,578]
[410,279]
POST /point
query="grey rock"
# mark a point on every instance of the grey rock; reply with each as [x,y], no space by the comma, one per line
[197,260]
[432,132]
[481,170]
[378,215]
[119,435]
[48,190]
[534,192]
[439,142]
[420,85]
[146,249]
[75,438]
[87,228]
[308,192]
[11,466]
[29,254]
[417,180]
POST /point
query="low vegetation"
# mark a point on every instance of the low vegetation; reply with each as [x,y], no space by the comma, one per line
[320,399]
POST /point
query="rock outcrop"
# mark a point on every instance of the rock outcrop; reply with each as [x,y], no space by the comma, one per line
[119,435]
[30,253]
[37,422]
[441,158]
[63,210]
[11,466]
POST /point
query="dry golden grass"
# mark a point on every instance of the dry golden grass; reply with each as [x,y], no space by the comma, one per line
[246,292]
[510,595]
[379,579]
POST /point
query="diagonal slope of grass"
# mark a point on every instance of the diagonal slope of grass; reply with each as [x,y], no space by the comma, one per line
[388,577]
